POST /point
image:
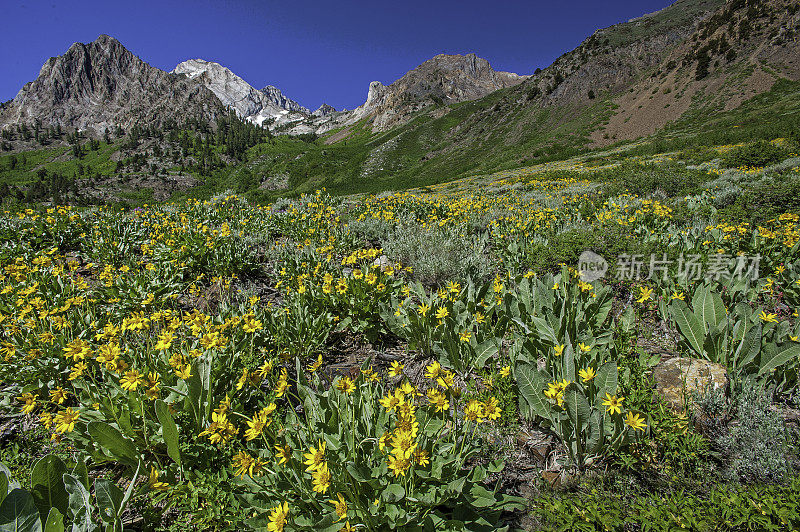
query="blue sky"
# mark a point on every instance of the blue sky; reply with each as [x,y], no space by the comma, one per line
[313,51]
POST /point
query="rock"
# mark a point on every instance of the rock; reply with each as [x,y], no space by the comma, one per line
[101,85]
[553,478]
[680,378]
[442,79]
[235,93]
[324,110]
[383,263]
[349,369]
[537,443]
[274,95]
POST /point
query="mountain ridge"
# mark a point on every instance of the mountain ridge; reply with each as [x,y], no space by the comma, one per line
[661,74]
[102,84]
[258,106]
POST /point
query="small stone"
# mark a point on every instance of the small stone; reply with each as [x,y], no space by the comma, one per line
[553,478]
[383,263]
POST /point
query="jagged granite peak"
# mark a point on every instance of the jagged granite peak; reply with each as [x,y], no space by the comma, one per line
[324,110]
[277,97]
[445,78]
[101,85]
[266,105]
[233,91]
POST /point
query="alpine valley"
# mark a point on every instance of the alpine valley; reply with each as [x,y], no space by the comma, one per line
[103,119]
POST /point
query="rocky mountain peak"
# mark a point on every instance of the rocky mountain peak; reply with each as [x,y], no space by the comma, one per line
[232,91]
[278,98]
[266,105]
[324,110]
[102,84]
[445,78]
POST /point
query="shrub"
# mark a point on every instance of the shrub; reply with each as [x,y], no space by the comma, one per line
[770,198]
[725,508]
[438,254]
[758,444]
[565,247]
[370,229]
[644,179]
[760,153]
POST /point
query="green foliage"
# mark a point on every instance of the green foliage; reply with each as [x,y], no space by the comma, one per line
[674,451]
[768,199]
[577,387]
[671,179]
[758,443]
[748,341]
[755,154]
[438,254]
[755,507]
[350,441]
[58,499]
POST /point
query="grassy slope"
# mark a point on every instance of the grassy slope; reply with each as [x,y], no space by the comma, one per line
[679,14]
[473,137]
[479,137]
[501,131]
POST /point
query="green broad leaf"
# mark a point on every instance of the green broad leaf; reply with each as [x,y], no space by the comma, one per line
[329,523]
[568,362]
[427,498]
[712,309]
[714,345]
[252,501]
[544,330]
[495,466]
[81,472]
[333,443]
[3,486]
[738,335]
[433,426]
[169,430]
[311,403]
[120,447]
[261,522]
[129,492]
[360,473]
[394,514]
[198,389]
[55,521]
[601,314]
[125,424]
[780,357]
[698,299]
[751,347]
[478,474]
[456,486]
[18,513]
[437,466]
[627,319]
[606,380]
[594,442]
[47,485]
[12,484]
[531,384]
[109,500]
[576,406]
[481,497]
[689,326]
[484,351]
[393,493]
[80,505]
